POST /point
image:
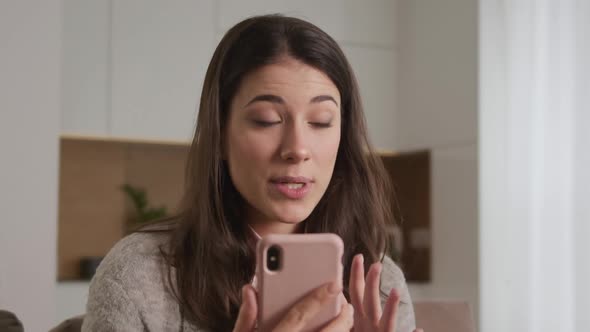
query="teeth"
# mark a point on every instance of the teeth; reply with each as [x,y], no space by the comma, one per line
[294,185]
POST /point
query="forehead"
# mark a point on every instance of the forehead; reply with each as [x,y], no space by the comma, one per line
[287,77]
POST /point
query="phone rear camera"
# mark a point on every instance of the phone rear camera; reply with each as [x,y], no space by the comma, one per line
[273,258]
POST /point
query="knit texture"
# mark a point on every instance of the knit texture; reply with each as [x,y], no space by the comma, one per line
[130,291]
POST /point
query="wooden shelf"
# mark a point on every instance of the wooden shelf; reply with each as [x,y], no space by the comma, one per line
[93,209]
[126,140]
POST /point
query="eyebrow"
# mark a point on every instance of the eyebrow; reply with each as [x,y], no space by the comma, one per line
[278,100]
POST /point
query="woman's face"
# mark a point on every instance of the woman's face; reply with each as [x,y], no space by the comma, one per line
[281,142]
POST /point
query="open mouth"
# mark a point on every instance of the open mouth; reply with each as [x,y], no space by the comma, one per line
[292,187]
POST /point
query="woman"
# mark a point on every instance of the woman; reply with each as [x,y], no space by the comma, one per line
[280,147]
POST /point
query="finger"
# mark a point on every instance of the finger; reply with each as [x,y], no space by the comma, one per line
[248,309]
[387,322]
[303,311]
[342,298]
[344,321]
[372,301]
[418,330]
[356,285]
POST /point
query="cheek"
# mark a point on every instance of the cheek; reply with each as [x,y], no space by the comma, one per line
[329,150]
[248,154]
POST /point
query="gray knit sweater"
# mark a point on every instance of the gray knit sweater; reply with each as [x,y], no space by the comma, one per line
[130,290]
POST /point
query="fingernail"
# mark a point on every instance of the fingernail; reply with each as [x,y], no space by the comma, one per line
[394,292]
[334,287]
[362,259]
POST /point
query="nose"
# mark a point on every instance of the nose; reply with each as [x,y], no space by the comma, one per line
[294,146]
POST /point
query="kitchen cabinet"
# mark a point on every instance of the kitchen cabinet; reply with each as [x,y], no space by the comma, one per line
[134,69]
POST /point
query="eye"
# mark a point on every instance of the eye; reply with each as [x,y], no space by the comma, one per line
[321,124]
[261,123]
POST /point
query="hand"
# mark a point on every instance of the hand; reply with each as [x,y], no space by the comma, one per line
[368,314]
[300,314]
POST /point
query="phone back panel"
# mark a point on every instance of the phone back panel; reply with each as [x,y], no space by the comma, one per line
[308,261]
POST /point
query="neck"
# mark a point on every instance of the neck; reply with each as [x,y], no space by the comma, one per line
[265,228]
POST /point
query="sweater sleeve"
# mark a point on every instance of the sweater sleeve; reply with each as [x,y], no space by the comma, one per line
[393,277]
[110,309]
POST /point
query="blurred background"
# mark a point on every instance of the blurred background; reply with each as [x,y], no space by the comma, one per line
[480,106]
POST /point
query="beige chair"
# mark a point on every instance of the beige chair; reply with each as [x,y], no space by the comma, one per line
[444,316]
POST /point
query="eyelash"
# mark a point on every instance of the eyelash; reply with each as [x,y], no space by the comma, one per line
[321,125]
[266,124]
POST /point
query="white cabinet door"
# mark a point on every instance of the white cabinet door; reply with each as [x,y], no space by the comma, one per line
[85,71]
[437,74]
[160,52]
[367,23]
[134,68]
[375,72]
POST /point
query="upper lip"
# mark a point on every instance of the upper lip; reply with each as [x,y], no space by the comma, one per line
[291,179]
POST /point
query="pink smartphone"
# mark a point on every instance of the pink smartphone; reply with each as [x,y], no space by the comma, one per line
[289,267]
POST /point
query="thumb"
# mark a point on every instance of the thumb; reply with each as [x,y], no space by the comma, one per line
[246,321]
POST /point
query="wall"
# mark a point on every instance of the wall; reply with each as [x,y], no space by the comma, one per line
[30,35]
[86,67]
[135,68]
[437,109]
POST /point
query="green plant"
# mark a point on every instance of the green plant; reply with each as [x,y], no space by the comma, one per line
[139,199]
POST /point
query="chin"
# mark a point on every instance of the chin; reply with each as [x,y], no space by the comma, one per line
[293,216]
[292,219]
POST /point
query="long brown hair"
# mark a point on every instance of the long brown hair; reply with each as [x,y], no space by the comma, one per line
[210,257]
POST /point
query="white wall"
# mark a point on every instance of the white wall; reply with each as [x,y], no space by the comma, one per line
[437,110]
[581,166]
[71,298]
[86,67]
[30,35]
[160,51]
